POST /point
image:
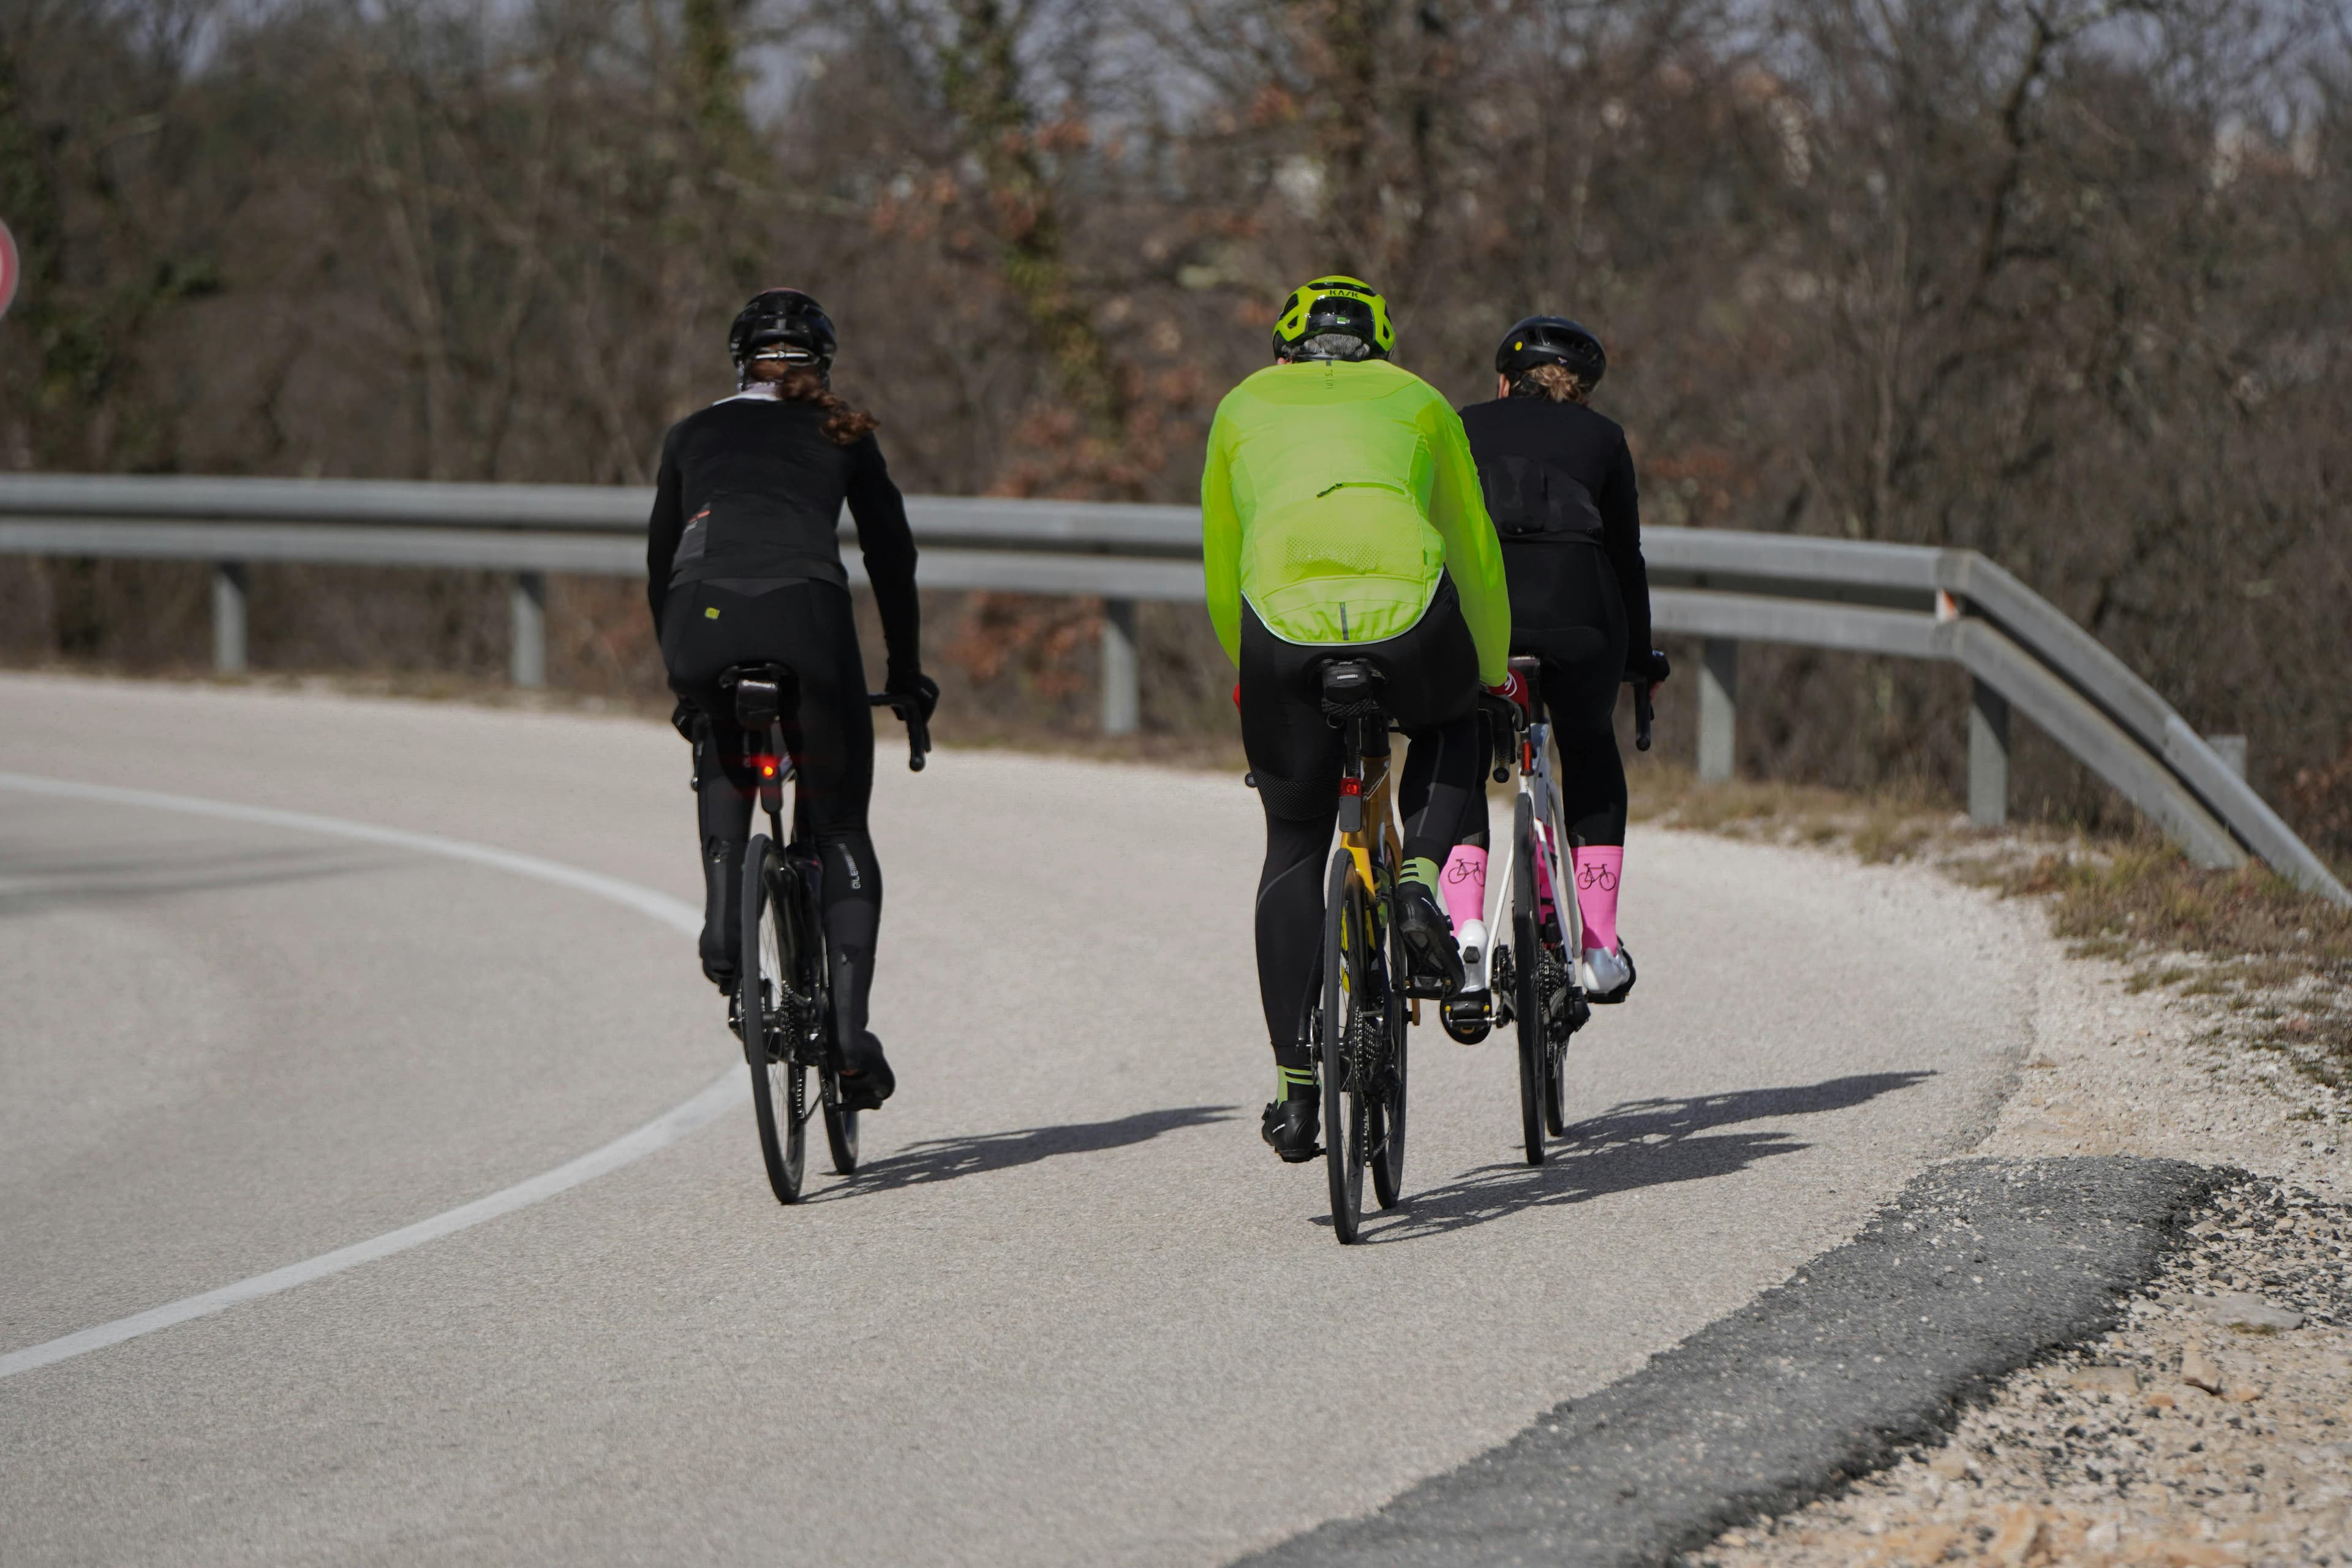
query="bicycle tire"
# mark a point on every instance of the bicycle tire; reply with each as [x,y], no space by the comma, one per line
[840,1126]
[779,1081]
[1386,1121]
[1343,1108]
[1527,934]
[840,1122]
[1555,1092]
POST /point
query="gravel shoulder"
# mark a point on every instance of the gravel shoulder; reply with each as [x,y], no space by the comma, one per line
[2213,1424]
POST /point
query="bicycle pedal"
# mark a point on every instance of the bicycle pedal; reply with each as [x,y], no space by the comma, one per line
[1464,1017]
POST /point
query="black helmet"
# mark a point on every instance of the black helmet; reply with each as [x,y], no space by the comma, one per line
[785,324]
[1551,340]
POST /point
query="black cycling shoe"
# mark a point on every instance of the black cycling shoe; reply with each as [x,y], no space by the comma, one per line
[1289,1128]
[1428,939]
[865,1076]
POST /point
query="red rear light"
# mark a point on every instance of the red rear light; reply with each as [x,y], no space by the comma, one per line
[1351,786]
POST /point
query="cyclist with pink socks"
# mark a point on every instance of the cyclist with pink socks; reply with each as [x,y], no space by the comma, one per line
[1559,482]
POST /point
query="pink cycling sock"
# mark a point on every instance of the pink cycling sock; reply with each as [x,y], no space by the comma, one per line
[1599,868]
[1464,880]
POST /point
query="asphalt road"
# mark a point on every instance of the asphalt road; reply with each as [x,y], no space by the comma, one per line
[1070,1311]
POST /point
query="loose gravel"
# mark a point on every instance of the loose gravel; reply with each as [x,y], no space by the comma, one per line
[2213,1426]
[2214,1423]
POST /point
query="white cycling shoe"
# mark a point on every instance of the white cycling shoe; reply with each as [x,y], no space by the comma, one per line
[1608,976]
[1472,940]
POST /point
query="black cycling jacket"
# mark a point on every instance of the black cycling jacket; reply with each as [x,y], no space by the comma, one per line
[750,488]
[1558,477]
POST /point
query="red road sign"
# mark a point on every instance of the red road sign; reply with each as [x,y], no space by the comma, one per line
[8,268]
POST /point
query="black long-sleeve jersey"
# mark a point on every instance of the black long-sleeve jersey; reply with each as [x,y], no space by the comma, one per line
[751,488]
[1559,477]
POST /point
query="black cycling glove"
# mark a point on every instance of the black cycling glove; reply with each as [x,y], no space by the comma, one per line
[914,683]
[1653,668]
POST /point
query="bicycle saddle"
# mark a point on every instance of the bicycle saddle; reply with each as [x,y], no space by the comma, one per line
[759,692]
[1351,688]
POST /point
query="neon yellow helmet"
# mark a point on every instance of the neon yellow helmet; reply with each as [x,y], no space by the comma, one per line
[1334,307]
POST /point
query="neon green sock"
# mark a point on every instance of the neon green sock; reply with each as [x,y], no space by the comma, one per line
[1293,1083]
[1424,870]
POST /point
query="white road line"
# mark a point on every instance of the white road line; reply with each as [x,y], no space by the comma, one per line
[657,1134]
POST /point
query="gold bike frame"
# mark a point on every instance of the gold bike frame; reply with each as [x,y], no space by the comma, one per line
[1367,780]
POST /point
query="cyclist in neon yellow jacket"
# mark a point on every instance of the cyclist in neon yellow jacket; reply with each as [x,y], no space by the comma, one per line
[1341,517]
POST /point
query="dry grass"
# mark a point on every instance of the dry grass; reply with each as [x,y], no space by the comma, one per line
[2151,895]
[2275,960]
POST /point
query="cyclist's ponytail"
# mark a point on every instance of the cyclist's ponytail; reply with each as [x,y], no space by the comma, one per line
[1556,382]
[845,424]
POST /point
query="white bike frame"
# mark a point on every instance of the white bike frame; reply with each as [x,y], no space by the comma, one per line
[1534,780]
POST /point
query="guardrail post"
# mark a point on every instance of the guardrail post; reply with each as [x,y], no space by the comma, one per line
[228,616]
[1122,695]
[529,597]
[1718,708]
[1988,756]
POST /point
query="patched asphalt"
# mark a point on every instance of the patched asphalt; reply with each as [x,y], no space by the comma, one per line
[1978,1267]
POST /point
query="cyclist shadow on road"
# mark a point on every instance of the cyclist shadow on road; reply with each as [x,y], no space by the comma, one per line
[1637,1143]
[945,1158]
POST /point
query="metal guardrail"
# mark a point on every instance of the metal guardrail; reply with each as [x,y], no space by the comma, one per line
[1725,588]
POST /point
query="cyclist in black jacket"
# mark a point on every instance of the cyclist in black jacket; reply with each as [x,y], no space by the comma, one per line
[743,566]
[1560,485]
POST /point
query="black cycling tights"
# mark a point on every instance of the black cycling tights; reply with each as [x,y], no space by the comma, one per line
[1430,687]
[808,627]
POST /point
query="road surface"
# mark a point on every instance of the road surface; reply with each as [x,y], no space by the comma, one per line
[1070,1311]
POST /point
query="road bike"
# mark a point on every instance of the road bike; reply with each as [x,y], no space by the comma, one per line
[1532,977]
[783,1006]
[1365,999]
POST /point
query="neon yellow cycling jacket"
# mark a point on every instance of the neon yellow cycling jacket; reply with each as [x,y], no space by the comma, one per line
[1334,496]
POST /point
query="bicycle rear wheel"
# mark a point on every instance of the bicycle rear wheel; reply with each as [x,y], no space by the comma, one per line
[1346,931]
[1527,937]
[840,1125]
[771,1026]
[1388,1105]
[840,1122]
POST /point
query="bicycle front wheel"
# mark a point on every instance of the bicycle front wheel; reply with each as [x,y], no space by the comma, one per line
[779,1081]
[1347,934]
[1526,938]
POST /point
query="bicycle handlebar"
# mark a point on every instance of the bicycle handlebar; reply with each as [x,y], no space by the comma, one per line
[918,729]
[1643,712]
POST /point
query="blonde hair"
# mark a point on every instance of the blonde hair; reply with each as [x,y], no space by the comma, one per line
[1555,382]
[845,424]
